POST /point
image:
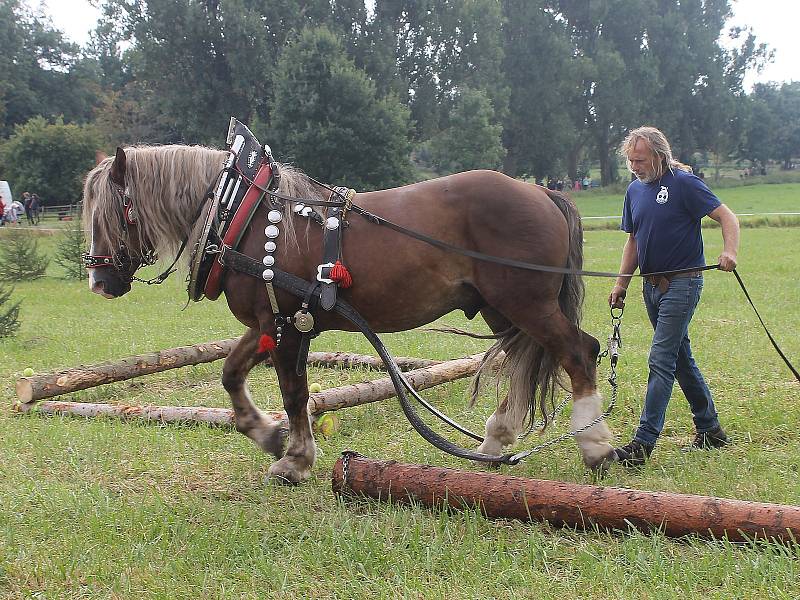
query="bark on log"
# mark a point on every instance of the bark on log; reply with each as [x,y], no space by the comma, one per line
[346,360]
[567,503]
[48,385]
[326,400]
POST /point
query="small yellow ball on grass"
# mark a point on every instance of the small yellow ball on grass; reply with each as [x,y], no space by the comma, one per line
[27,372]
[327,424]
[315,388]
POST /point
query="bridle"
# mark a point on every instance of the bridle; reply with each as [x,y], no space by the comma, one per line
[120,259]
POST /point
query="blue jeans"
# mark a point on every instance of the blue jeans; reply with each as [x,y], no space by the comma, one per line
[671,358]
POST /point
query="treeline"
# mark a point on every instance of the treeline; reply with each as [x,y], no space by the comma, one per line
[351,92]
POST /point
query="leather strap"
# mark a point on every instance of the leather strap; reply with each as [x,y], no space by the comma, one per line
[237,226]
[331,253]
[299,287]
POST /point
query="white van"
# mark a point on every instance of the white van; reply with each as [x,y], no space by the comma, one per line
[5,192]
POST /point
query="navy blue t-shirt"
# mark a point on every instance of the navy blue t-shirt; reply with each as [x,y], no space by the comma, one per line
[664,218]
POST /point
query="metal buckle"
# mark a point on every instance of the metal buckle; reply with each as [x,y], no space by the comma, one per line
[320,278]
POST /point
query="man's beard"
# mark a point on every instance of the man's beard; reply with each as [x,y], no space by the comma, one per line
[649,177]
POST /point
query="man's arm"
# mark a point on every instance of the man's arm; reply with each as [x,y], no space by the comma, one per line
[629,263]
[730,236]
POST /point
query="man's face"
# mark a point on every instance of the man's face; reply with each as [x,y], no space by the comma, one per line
[643,162]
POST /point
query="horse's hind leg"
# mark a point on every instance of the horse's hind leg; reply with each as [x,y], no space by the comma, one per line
[301,451]
[264,431]
[576,352]
[505,423]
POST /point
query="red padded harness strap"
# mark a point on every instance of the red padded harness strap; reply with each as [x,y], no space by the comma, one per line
[237,227]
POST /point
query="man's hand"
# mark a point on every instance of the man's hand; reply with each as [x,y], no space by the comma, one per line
[727,261]
[616,299]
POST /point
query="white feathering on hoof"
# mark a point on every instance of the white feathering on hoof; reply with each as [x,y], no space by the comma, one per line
[593,442]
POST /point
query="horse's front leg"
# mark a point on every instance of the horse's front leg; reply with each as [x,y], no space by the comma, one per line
[301,451]
[265,431]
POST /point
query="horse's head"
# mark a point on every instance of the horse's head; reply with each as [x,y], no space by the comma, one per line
[117,249]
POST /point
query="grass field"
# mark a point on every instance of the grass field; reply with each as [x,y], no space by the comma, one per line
[103,509]
[763,198]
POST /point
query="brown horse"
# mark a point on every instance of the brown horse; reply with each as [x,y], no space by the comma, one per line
[399,282]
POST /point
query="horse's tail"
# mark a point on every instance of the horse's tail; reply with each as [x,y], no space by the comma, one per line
[572,291]
[532,373]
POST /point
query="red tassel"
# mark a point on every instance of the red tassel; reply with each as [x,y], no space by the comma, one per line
[266,343]
[341,275]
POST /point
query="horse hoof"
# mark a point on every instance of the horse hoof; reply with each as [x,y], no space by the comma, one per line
[280,480]
[601,466]
[285,472]
[272,440]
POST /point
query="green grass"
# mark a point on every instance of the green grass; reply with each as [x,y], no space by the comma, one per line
[745,199]
[103,509]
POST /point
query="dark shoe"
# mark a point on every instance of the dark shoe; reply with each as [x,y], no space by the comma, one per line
[708,440]
[634,454]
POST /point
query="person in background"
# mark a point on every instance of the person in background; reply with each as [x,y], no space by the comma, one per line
[35,207]
[662,212]
[17,210]
[26,202]
[3,210]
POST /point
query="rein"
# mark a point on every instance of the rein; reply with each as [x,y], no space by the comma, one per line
[228,257]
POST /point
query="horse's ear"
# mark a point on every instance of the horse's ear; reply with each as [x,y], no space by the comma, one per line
[118,167]
[99,156]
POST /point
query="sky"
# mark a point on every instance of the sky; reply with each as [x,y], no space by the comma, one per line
[773,21]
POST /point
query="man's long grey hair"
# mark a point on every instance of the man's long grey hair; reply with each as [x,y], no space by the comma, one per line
[657,142]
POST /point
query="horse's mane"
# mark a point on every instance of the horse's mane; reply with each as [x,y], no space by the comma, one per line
[166,185]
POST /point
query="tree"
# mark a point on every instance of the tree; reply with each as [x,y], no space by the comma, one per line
[615,70]
[696,97]
[70,249]
[9,315]
[20,259]
[761,125]
[330,120]
[50,159]
[539,131]
[201,61]
[40,73]
[472,138]
[424,51]
[787,112]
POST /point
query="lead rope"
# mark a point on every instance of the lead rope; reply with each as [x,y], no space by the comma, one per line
[612,351]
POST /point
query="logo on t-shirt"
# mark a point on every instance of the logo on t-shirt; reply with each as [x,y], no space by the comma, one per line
[663,195]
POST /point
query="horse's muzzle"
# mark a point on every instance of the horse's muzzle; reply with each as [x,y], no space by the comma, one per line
[109,288]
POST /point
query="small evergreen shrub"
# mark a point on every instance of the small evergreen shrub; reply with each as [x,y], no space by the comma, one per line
[9,317]
[20,259]
[69,251]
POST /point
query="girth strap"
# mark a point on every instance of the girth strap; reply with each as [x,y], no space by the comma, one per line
[299,287]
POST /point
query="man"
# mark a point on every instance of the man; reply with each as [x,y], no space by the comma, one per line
[662,212]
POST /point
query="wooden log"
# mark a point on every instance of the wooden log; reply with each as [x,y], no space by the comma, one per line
[162,414]
[381,389]
[326,400]
[560,503]
[347,360]
[48,385]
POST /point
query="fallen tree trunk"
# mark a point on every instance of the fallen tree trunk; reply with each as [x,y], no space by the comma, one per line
[568,504]
[326,400]
[48,385]
[346,360]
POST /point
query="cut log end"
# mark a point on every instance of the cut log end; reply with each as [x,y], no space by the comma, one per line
[24,390]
